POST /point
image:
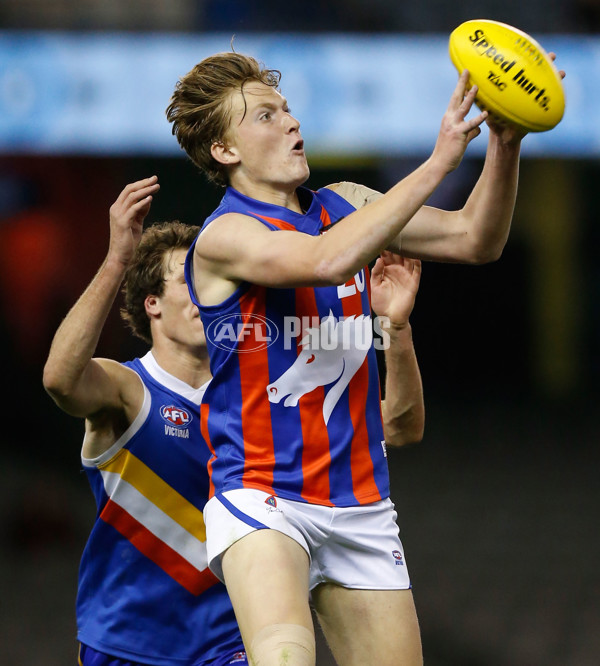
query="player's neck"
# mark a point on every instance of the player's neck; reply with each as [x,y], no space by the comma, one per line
[190,365]
[285,196]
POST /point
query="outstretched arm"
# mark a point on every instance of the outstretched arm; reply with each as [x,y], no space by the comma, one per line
[287,258]
[394,285]
[79,384]
[478,232]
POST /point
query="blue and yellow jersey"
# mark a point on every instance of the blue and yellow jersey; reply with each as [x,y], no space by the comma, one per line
[145,591]
[294,405]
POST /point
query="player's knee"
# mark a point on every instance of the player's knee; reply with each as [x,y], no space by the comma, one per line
[277,644]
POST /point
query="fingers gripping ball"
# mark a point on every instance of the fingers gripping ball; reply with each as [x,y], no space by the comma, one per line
[517,80]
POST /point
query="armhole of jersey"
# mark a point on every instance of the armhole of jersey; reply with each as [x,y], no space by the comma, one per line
[188,269]
[136,424]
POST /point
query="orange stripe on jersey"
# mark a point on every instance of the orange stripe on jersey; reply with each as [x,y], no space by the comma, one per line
[280,224]
[204,410]
[315,452]
[257,431]
[193,580]
[325,219]
[363,479]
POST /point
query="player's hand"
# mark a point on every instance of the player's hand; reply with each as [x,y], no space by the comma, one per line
[127,216]
[394,286]
[508,133]
[456,132]
[561,72]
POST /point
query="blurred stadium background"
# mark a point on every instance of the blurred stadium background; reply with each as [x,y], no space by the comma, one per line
[498,507]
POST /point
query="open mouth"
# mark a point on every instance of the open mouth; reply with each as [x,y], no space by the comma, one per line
[299,145]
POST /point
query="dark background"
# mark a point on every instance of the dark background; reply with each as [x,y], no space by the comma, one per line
[498,506]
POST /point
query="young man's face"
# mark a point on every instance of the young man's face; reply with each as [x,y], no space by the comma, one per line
[180,319]
[264,139]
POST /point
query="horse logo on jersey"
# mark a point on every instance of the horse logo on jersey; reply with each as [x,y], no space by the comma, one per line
[177,421]
[331,354]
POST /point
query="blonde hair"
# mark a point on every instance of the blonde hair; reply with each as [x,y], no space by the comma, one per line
[198,111]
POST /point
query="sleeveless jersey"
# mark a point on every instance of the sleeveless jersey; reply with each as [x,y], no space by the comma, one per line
[294,406]
[145,590]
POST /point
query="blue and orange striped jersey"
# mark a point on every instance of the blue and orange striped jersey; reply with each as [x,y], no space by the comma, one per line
[294,405]
[145,591]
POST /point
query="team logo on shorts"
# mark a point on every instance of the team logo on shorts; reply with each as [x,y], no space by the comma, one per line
[271,502]
[238,657]
[398,557]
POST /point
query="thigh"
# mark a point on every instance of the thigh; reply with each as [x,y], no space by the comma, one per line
[362,550]
[369,626]
[266,574]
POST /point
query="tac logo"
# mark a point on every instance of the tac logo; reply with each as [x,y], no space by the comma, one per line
[175,416]
[271,503]
[242,333]
[398,557]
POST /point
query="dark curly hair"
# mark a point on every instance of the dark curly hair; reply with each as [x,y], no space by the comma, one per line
[146,273]
[198,110]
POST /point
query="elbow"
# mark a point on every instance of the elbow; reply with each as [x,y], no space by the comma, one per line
[333,274]
[478,252]
[338,268]
[54,383]
[50,380]
[405,438]
[486,255]
[397,435]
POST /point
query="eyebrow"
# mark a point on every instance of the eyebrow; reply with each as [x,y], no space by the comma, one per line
[261,105]
[273,105]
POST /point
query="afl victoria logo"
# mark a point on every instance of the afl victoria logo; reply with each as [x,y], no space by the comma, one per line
[175,416]
[242,333]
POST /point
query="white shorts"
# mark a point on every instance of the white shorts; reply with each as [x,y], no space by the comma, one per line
[356,547]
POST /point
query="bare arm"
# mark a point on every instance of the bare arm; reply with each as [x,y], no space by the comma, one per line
[235,247]
[79,384]
[475,234]
[394,284]
[478,232]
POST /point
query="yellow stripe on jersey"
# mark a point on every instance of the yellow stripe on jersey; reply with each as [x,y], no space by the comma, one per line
[132,470]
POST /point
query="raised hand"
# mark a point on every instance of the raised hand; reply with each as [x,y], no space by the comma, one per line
[456,132]
[394,285]
[127,216]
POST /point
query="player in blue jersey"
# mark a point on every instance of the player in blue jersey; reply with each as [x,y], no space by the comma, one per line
[145,593]
[275,251]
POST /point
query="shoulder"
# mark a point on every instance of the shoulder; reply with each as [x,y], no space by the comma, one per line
[355,194]
[128,385]
[225,229]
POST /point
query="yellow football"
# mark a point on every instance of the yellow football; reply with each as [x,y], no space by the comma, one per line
[517,81]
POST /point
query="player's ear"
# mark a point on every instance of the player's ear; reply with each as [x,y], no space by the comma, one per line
[152,306]
[223,153]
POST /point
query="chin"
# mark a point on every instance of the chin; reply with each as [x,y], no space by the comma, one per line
[302,177]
